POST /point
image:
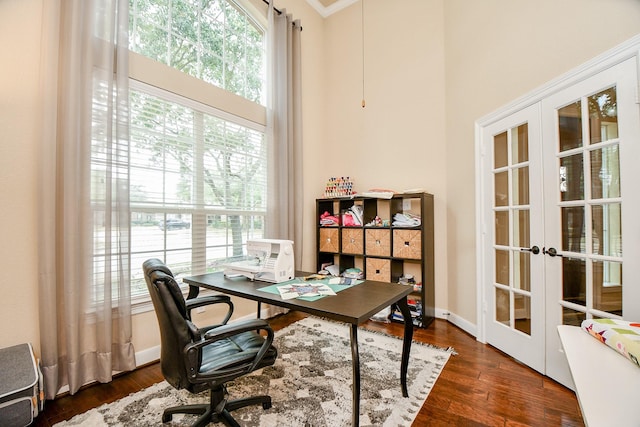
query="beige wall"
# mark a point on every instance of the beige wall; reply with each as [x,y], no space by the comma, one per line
[398,140]
[432,67]
[20,41]
[497,51]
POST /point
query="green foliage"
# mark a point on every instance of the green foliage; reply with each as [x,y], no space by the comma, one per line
[213,40]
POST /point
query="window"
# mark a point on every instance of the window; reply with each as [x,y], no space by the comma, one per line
[197,156]
[213,40]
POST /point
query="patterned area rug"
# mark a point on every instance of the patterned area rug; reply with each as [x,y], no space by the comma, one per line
[310,384]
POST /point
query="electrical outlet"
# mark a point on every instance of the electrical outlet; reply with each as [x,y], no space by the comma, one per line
[406,204]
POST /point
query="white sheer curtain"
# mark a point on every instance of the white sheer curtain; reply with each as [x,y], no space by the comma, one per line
[284,129]
[85,308]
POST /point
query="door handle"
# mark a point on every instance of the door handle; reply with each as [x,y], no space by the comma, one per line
[552,252]
[534,249]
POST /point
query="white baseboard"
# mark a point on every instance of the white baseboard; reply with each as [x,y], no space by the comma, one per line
[461,323]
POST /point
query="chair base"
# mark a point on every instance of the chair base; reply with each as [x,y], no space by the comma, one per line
[210,412]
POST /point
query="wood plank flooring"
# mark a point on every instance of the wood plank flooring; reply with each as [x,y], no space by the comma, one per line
[480,386]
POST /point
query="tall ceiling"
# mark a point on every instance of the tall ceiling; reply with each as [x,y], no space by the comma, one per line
[328,7]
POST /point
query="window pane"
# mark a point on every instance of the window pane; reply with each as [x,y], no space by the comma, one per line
[501,188]
[502,228]
[605,173]
[503,307]
[500,152]
[607,229]
[198,184]
[521,186]
[603,116]
[574,280]
[572,317]
[521,228]
[572,170]
[570,126]
[502,267]
[520,143]
[607,286]
[216,41]
[573,229]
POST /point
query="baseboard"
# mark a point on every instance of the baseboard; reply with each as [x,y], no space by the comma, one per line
[458,321]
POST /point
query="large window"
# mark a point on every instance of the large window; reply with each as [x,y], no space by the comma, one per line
[197,173]
[213,40]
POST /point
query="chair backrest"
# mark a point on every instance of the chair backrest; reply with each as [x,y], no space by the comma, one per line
[171,312]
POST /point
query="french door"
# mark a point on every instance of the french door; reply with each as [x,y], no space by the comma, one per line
[514,229]
[560,242]
[591,137]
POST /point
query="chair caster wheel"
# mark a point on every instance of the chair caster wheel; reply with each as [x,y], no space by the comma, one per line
[266,405]
[166,418]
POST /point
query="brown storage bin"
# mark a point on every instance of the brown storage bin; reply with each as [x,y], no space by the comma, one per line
[406,244]
[378,242]
[379,269]
[352,241]
[329,240]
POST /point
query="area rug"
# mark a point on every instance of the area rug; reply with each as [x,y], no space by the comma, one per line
[310,384]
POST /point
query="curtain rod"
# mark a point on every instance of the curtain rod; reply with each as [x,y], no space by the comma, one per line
[267,2]
[279,12]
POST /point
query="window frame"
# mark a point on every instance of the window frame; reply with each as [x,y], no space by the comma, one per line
[168,83]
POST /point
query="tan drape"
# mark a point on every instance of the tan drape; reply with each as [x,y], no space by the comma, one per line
[284,132]
[84,307]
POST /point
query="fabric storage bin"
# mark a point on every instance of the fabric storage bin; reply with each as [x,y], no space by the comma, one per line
[21,389]
[378,242]
[407,244]
[329,241]
[378,269]
[352,241]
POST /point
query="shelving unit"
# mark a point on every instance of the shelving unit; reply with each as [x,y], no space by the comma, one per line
[384,252]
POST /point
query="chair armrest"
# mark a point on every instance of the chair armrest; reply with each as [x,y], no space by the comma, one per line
[210,300]
[192,351]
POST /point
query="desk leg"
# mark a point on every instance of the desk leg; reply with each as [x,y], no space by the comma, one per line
[193,291]
[406,343]
[355,362]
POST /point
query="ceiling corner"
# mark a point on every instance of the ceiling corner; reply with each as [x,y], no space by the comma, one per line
[332,6]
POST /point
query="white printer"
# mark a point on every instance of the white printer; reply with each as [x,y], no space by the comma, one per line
[267,260]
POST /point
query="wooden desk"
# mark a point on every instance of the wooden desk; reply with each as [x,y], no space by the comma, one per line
[606,384]
[354,305]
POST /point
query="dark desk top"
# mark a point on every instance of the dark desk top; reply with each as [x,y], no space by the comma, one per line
[354,305]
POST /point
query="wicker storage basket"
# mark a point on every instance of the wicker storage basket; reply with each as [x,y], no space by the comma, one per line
[352,241]
[406,244]
[379,269]
[378,242]
[329,240]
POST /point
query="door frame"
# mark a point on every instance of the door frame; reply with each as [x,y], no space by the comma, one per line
[628,49]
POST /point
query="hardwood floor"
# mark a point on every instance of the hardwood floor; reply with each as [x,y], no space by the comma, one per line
[480,386]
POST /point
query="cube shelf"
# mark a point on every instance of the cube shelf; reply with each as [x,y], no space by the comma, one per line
[383,251]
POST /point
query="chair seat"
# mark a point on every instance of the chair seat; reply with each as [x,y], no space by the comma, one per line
[239,349]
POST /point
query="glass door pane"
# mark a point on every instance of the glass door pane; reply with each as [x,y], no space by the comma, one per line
[512,251]
[590,206]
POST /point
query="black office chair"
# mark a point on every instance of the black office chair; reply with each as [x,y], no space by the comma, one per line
[197,359]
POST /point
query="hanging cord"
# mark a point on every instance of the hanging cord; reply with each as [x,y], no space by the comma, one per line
[362,26]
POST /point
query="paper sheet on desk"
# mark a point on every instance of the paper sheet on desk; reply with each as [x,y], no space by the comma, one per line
[329,283]
[296,290]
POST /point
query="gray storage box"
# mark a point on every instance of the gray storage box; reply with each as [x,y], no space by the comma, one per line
[21,389]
